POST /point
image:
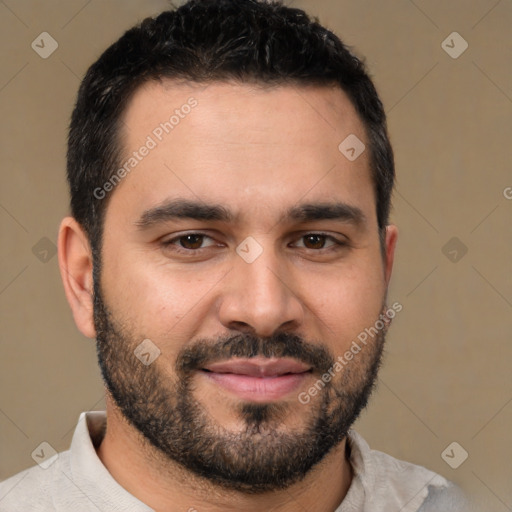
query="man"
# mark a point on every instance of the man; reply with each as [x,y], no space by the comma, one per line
[230,251]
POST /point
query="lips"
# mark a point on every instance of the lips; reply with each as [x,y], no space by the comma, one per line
[258,379]
[258,367]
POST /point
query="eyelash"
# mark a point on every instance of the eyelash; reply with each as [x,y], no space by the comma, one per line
[181,250]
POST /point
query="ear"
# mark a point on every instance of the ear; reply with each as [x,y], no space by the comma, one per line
[391,238]
[75,263]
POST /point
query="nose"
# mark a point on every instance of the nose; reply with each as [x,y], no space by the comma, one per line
[260,297]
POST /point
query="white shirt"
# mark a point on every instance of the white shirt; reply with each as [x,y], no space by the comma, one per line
[77,481]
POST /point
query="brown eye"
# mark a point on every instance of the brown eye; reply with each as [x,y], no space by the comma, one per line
[191,241]
[319,242]
[314,241]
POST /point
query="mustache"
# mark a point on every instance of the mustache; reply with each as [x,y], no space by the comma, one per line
[205,351]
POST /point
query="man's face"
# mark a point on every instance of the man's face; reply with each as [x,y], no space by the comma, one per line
[251,303]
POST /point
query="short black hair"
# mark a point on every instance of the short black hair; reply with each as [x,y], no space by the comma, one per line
[205,41]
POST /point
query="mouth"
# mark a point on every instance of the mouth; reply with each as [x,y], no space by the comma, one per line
[258,379]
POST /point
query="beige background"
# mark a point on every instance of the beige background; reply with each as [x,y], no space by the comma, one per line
[447,374]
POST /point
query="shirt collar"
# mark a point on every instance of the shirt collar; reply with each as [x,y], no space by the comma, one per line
[89,474]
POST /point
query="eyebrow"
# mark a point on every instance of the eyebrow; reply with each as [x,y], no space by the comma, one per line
[306,212]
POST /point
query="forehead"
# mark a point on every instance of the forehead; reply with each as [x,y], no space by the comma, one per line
[253,148]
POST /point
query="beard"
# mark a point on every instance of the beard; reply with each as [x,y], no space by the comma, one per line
[158,400]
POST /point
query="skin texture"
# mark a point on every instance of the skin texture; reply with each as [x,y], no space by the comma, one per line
[258,152]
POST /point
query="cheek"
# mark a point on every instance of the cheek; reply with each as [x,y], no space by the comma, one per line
[159,300]
[349,300]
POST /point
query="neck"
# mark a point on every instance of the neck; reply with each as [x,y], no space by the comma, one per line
[139,469]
